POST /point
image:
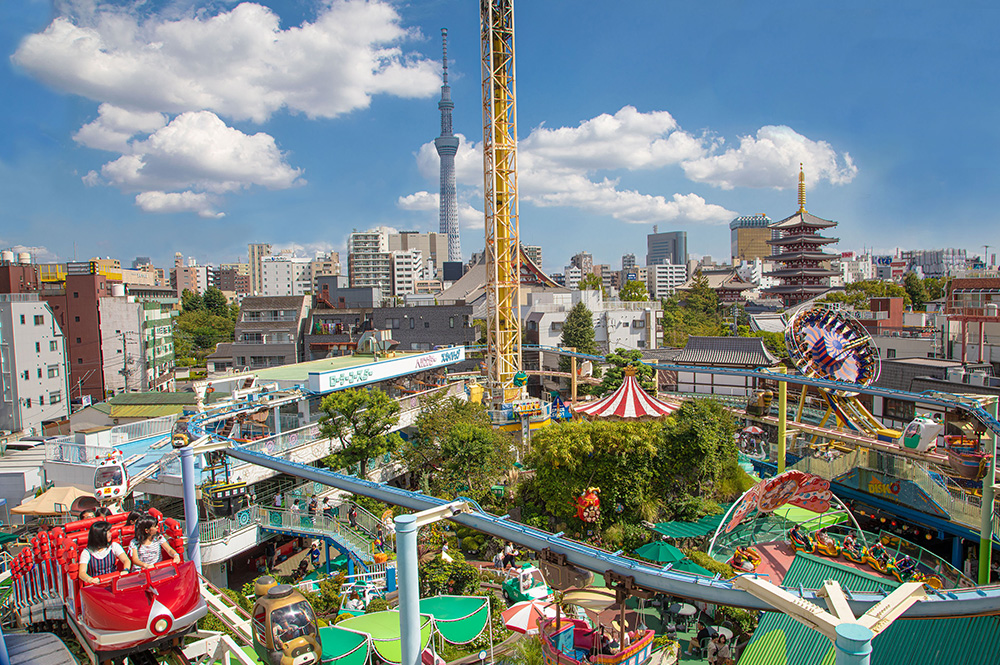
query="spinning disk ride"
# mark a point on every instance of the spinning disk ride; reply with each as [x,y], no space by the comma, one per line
[828,344]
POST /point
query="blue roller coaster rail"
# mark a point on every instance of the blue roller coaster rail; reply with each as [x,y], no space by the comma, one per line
[952,603]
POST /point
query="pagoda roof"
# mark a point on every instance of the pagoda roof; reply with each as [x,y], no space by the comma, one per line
[801,272]
[804,238]
[798,288]
[803,218]
[796,256]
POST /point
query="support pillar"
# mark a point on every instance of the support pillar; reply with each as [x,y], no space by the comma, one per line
[989,491]
[572,378]
[326,546]
[853,644]
[782,418]
[982,339]
[956,552]
[965,339]
[277,420]
[191,527]
[409,589]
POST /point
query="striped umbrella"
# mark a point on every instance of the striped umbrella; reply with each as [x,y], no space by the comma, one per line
[523,617]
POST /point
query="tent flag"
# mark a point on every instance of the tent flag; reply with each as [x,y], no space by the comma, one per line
[383,628]
[343,646]
[459,619]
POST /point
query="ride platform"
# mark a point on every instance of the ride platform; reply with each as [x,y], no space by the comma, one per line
[776,559]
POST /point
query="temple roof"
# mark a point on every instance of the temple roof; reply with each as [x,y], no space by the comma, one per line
[805,271]
[803,218]
[803,239]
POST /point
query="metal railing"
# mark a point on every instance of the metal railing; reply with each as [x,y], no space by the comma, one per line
[319,525]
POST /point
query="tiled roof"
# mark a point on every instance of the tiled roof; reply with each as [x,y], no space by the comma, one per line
[781,639]
[739,351]
[804,218]
[261,303]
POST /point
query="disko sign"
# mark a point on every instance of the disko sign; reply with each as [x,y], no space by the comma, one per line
[339,379]
[905,492]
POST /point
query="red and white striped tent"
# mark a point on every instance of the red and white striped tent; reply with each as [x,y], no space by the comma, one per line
[629,401]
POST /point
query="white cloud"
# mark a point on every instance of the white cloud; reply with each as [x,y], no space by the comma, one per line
[115,126]
[198,151]
[240,64]
[771,159]
[196,67]
[421,201]
[562,166]
[195,202]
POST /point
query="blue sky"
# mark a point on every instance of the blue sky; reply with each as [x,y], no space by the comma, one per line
[145,128]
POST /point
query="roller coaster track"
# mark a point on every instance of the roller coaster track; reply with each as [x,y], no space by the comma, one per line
[952,603]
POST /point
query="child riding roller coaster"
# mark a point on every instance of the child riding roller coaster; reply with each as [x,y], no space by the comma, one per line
[745,558]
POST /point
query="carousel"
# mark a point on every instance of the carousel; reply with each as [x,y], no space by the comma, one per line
[629,402]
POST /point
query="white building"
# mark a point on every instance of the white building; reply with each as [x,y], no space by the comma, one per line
[572,275]
[284,275]
[433,248]
[854,268]
[617,325]
[664,278]
[368,261]
[407,271]
[33,370]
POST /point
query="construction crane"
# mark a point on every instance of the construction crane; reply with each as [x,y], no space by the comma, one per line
[503,261]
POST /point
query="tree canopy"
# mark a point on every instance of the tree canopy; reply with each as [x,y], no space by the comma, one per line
[578,333]
[614,376]
[858,294]
[591,282]
[215,302]
[366,416]
[634,291]
[696,312]
[916,290]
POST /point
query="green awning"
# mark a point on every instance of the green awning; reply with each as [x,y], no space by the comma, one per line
[459,619]
[801,515]
[7,538]
[344,647]
[706,525]
[689,566]
[383,628]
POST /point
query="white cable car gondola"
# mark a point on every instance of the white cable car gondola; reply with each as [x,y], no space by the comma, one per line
[111,478]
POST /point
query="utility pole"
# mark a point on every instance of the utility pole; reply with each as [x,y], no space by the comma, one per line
[986,256]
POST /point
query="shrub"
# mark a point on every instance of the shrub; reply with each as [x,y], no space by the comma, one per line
[377,605]
[744,620]
[709,563]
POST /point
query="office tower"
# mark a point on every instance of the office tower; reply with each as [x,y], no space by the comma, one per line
[748,237]
[257,252]
[667,247]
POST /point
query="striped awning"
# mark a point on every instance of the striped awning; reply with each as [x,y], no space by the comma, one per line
[629,401]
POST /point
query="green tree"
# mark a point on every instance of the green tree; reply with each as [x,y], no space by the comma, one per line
[634,291]
[614,376]
[191,301]
[592,282]
[366,416]
[474,457]
[858,294]
[773,341]
[700,298]
[695,312]
[936,287]
[578,333]
[916,290]
[197,332]
[215,302]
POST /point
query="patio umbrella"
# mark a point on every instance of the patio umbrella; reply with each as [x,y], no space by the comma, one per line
[753,429]
[523,617]
[597,600]
[661,552]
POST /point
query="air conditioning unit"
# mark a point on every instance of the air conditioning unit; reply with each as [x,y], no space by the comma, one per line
[977,378]
[955,374]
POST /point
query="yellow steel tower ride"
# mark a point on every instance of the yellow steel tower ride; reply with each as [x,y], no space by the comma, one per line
[503,261]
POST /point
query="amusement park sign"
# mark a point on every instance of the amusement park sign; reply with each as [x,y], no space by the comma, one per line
[905,492]
[339,379]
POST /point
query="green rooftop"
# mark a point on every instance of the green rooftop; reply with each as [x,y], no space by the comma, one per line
[299,372]
[781,640]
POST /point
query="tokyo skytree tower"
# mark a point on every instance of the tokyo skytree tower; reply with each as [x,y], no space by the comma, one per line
[447,146]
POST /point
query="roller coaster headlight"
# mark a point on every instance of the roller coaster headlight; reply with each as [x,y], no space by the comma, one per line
[161,625]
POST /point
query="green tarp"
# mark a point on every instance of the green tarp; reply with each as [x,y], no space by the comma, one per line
[801,515]
[383,627]
[344,647]
[706,525]
[459,619]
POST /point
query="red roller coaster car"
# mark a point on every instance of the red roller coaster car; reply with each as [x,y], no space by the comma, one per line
[120,613]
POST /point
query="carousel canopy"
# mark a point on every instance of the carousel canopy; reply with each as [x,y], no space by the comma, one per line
[629,401]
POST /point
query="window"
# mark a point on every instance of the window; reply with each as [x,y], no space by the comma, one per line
[38,347]
[77,318]
[76,294]
[451,321]
[391,324]
[53,371]
[896,409]
[78,340]
[79,361]
[39,319]
[54,345]
[27,402]
[427,324]
[413,323]
[890,353]
[55,397]
[639,323]
[41,400]
[26,374]
[22,319]
[557,326]
[39,372]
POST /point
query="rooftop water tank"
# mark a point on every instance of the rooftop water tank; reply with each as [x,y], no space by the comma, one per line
[6,257]
[24,258]
[117,290]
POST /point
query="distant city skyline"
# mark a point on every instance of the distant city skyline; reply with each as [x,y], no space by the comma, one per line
[296,123]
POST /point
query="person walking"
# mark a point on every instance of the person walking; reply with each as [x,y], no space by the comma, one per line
[314,553]
[313,505]
[277,500]
[352,516]
[327,508]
